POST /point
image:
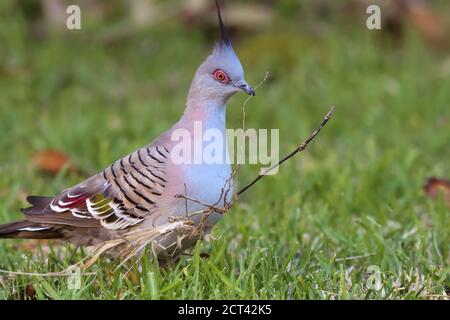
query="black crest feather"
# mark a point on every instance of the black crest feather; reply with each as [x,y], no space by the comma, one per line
[225,41]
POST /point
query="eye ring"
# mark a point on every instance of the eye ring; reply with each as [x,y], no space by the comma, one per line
[221,76]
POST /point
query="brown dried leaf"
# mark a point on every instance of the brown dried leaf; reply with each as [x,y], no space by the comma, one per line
[30,292]
[429,23]
[435,186]
[133,277]
[51,161]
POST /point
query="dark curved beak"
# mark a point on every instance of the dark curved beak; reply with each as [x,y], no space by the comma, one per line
[244,86]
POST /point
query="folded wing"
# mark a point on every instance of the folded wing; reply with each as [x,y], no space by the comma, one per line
[122,195]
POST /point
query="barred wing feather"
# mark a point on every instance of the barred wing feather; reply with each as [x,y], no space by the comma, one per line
[122,195]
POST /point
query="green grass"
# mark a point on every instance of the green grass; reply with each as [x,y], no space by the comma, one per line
[356,192]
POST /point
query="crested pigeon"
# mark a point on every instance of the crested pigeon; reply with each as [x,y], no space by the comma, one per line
[139,191]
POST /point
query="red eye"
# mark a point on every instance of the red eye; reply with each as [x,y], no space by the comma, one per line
[221,76]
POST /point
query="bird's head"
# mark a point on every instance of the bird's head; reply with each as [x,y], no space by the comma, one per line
[221,75]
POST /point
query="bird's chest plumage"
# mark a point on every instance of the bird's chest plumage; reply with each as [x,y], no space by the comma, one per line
[208,172]
[206,182]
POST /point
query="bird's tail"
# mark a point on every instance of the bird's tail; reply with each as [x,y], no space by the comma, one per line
[28,230]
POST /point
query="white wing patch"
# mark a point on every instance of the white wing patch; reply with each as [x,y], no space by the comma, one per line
[106,210]
[32,229]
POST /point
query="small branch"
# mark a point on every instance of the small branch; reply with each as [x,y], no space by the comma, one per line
[300,148]
[211,206]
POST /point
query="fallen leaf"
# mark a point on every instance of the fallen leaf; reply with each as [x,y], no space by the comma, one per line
[133,277]
[52,161]
[435,186]
[30,292]
[429,23]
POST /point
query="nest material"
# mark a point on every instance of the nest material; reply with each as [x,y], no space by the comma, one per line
[165,241]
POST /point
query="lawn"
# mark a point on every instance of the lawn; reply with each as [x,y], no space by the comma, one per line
[346,219]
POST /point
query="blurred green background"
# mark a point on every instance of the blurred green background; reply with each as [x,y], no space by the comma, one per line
[83,98]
